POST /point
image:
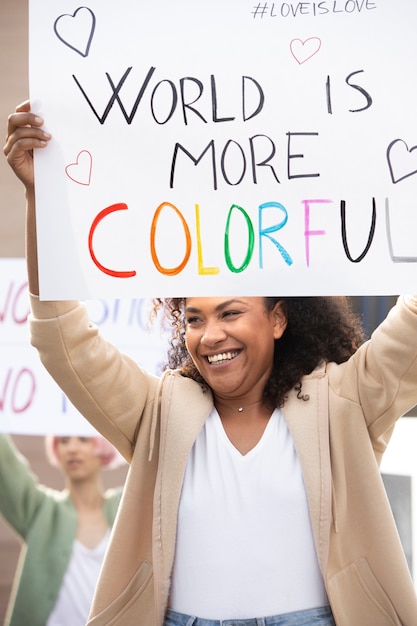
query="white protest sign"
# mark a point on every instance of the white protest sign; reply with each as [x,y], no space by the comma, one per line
[225,147]
[30,401]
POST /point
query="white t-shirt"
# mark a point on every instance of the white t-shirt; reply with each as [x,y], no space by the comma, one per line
[244,544]
[76,594]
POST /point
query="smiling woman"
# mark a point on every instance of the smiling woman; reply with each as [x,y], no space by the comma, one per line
[315,329]
[254,493]
[243,328]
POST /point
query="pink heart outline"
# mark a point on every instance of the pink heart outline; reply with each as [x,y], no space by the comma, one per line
[299,43]
[84,162]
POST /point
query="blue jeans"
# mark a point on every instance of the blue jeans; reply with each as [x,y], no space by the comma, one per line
[312,617]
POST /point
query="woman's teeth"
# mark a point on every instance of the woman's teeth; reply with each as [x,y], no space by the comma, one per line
[224,356]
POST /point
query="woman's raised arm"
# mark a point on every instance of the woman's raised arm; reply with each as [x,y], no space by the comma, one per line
[24,134]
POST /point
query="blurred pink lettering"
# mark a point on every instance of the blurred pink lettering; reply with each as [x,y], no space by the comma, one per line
[14,305]
[17,389]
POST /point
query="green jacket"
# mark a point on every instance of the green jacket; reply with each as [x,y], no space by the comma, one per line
[46,520]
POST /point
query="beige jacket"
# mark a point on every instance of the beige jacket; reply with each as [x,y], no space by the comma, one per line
[340,434]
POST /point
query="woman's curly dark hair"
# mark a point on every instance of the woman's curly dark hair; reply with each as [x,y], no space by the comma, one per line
[318,329]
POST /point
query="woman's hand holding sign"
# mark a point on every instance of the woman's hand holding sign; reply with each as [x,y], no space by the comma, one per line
[24,133]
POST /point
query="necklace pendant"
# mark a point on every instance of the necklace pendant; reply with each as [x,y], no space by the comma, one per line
[240,409]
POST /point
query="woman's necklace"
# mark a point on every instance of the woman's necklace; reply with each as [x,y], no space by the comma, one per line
[240,409]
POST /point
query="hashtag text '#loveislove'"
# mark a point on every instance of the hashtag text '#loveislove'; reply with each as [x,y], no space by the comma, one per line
[325,7]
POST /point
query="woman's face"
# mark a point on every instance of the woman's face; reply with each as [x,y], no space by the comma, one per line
[231,341]
[78,457]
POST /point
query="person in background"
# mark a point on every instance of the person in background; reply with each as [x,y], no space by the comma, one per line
[254,496]
[65,533]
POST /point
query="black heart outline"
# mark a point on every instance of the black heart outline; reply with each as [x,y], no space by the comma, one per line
[409,150]
[87,49]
